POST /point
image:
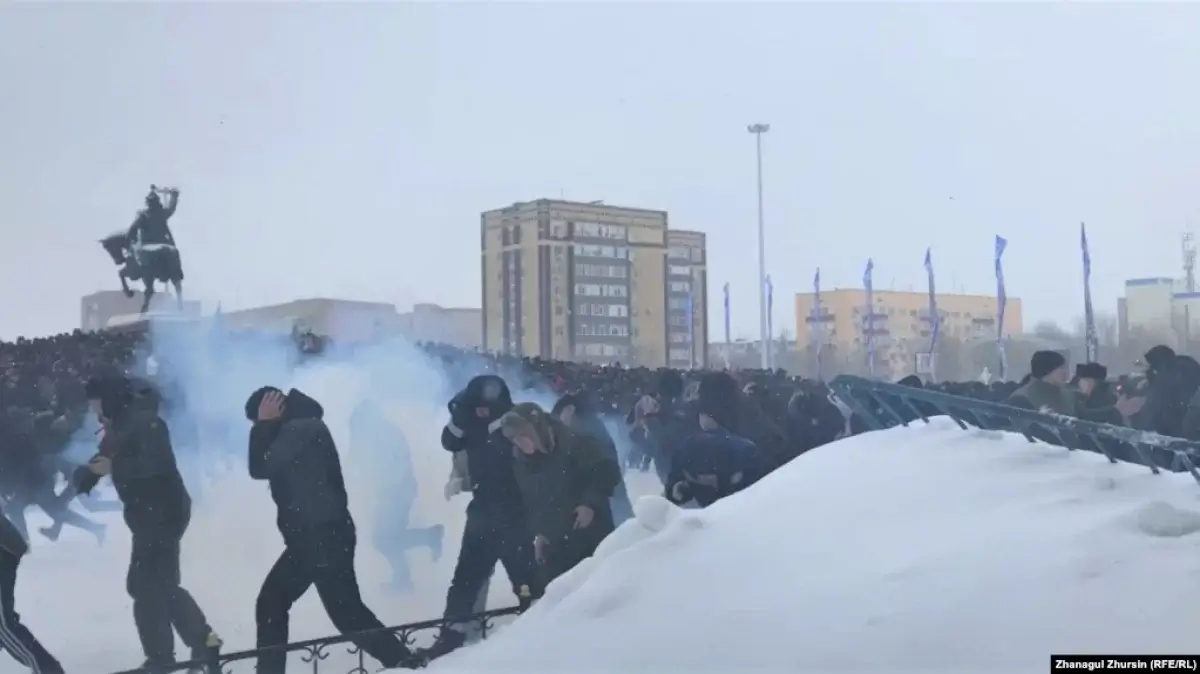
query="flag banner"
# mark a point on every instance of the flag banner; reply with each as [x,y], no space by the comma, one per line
[1001,301]
[935,319]
[1091,342]
[770,345]
[818,327]
[869,318]
[691,330]
[728,343]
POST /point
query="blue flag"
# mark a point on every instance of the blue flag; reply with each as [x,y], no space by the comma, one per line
[691,332]
[728,344]
[1001,301]
[869,317]
[769,346]
[935,319]
[1091,342]
[818,327]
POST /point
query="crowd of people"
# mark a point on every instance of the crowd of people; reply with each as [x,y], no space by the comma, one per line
[546,484]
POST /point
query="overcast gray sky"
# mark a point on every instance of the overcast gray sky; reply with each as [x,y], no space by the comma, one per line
[347,149]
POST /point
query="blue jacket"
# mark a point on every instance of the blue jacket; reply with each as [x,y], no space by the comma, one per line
[714,464]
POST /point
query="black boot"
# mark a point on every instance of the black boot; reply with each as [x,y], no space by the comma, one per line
[448,641]
[208,654]
[158,666]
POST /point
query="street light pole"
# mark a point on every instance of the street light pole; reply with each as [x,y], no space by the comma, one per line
[764,339]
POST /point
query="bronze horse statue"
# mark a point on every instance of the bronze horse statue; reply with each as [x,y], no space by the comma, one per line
[147,251]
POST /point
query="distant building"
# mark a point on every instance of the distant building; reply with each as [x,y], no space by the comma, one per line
[1159,309]
[461,327]
[98,310]
[687,299]
[591,282]
[901,323]
[341,320]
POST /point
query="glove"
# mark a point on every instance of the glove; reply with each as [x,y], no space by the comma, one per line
[462,415]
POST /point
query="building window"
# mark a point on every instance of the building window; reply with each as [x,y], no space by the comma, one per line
[680,338]
[602,270]
[610,252]
[679,253]
[683,355]
[678,321]
[587,289]
[680,270]
[681,286]
[677,303]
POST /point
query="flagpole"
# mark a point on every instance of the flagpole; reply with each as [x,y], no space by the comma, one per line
[758,130]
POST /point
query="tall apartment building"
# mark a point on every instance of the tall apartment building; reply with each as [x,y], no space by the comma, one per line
[900,323]
[578,281]
[687,299]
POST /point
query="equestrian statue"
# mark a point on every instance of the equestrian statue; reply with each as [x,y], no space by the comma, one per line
[147,250]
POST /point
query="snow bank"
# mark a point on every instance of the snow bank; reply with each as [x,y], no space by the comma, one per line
[927,549]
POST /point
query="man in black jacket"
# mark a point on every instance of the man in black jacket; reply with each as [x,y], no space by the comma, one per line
[292,448]
[496,529]
[15,637]
[136,452]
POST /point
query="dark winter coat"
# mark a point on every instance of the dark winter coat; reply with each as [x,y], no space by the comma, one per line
[1168,394]
[587,422]
[144,472]
[660,435]
[1036,394]
[11,540]
[572,470]
[812,421]
[713,465]
[297,457]
[489,454]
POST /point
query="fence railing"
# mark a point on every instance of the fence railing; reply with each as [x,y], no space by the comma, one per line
[884,405]
[314,652]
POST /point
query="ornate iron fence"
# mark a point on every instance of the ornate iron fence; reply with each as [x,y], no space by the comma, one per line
[884,405]
[313,652]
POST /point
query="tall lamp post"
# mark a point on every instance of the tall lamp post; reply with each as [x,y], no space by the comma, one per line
[764,339]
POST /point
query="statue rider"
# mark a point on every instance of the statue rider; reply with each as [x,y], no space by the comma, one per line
[150,227]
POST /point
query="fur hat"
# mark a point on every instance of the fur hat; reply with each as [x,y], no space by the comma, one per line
[1091,371]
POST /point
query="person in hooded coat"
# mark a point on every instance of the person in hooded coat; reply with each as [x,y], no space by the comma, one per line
[735,412]
[1171,381]
[714,462]
[577,410]
[566,480]
[292,449]
[136,451]
[812,420]
[658,423]
[496,529]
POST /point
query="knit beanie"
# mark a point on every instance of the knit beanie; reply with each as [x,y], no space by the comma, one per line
[1045,362]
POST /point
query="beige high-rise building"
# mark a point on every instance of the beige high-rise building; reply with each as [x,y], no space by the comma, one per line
[585,281]
[687,299]
[900,323]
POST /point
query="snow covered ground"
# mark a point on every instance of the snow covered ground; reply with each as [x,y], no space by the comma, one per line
[72,593]
[924,550]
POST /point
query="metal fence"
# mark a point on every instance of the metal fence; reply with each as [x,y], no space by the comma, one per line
[884,405]
[313,653]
